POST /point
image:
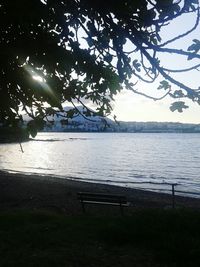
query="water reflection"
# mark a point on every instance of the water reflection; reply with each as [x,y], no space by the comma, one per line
[117,158]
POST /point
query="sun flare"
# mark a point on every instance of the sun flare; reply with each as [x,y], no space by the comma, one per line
[38,78]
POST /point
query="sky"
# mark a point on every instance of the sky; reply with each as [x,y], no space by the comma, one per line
[131,107]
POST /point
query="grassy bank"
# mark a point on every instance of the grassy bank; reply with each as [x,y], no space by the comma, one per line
[146,238]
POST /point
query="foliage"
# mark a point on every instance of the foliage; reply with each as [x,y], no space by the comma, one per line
[13,134]
[87,50]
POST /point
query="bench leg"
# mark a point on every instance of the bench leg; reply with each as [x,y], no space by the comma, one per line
[83,206]
[121,209]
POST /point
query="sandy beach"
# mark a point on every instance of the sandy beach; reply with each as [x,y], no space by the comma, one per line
[35,192]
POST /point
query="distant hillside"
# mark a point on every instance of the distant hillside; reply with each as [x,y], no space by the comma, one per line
[156,127]
[60,123]
[79,122]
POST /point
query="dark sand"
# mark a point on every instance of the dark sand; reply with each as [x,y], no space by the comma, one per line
[34,192]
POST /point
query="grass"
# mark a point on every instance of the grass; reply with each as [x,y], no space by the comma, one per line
[146,238]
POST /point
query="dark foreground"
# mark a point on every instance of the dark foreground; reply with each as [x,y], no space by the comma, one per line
[42,224]
[146,238]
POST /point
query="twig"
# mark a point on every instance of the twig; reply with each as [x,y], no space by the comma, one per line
[21,147]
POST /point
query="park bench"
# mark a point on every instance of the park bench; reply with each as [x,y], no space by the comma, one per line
[102,199]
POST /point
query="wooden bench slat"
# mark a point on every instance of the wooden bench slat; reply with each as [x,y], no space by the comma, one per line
[98,195]
[102,196]
[107,203]
[122,201]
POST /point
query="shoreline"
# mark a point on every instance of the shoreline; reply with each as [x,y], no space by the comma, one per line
[41,192]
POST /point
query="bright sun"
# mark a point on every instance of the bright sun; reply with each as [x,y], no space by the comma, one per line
[38,78]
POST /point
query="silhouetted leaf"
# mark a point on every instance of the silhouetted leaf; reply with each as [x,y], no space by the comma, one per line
[164,85]
[136,65]
[179,106]
[194,48]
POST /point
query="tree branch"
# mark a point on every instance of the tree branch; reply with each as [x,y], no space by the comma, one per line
[168,77]
[183,70]
[129,87]
[184,34]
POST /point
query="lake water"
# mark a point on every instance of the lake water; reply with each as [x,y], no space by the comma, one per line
[141,160]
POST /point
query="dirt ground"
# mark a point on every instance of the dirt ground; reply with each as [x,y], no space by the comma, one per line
[34,192]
